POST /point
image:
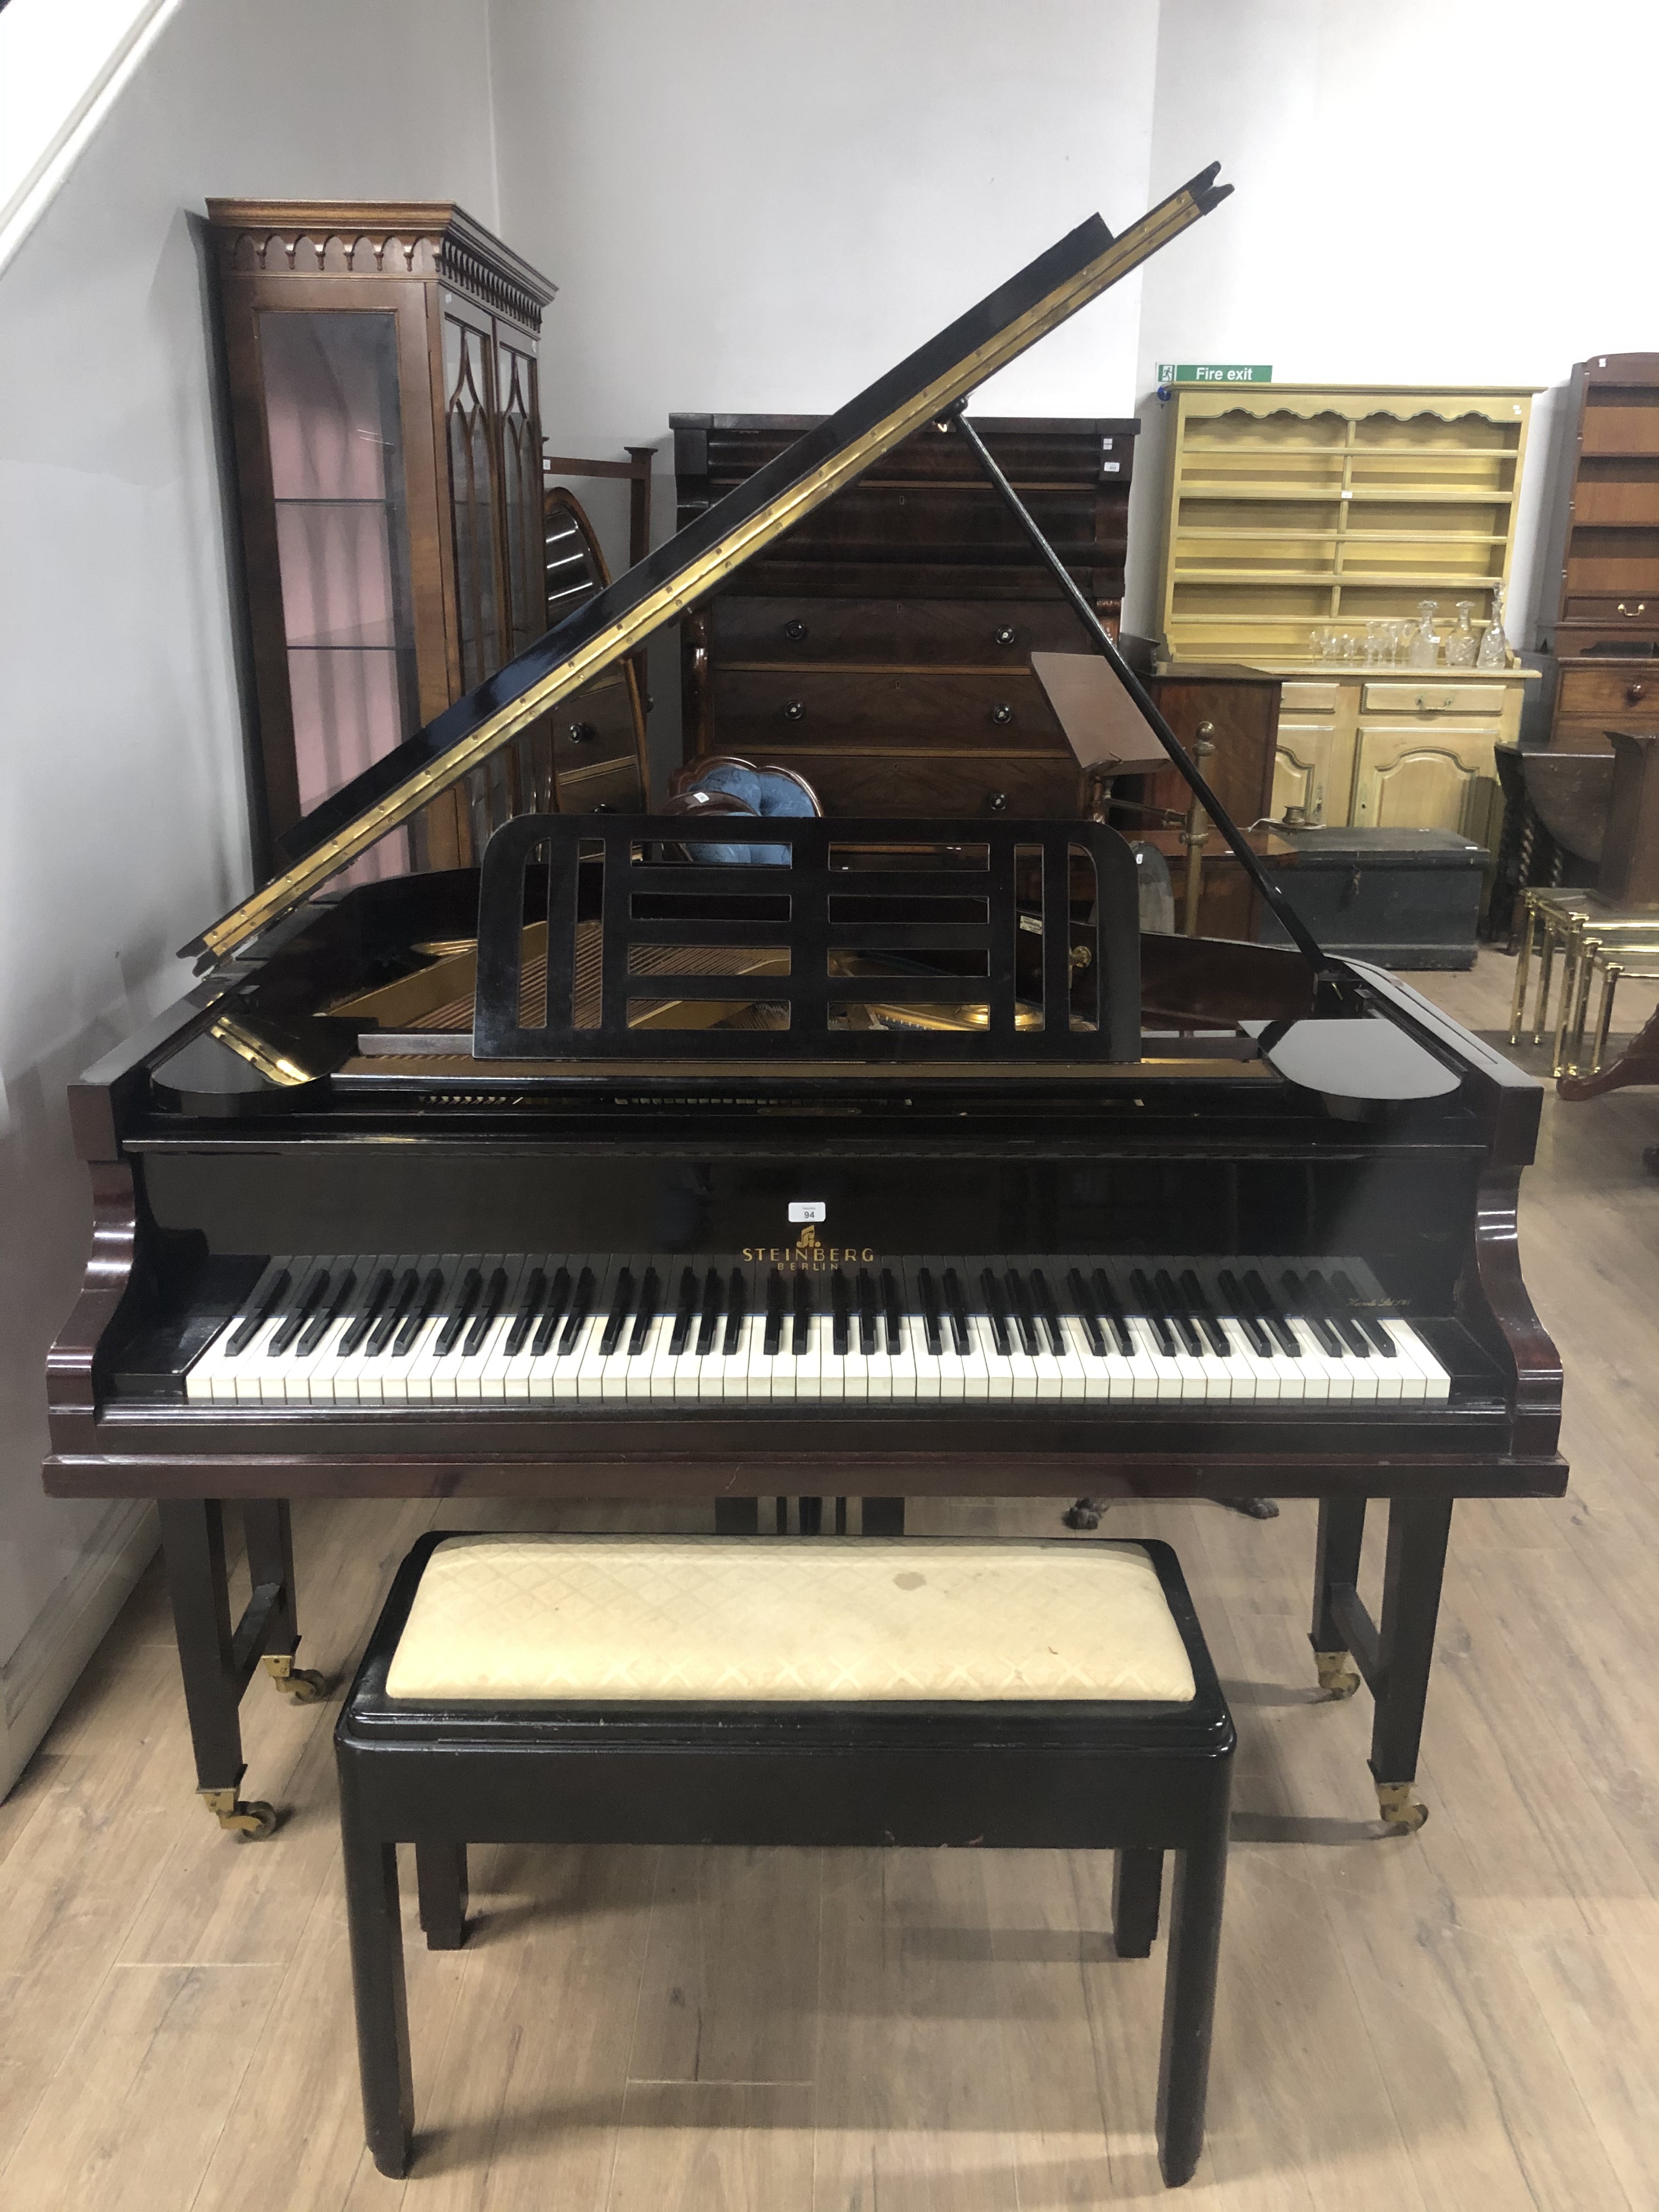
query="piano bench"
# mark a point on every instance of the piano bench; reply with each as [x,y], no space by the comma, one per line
[1050,1695]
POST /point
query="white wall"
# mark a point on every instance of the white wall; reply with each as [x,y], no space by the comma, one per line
[124,823]
[762,208]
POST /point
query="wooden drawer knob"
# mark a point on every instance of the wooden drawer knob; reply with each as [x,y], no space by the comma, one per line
[795,632]
[1006,635]
[794,712]
[581,733]
[996,802]
[1635,691]
[1002,714]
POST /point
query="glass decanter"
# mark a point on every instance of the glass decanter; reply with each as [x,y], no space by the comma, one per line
[1494,646]
[1425,649]
[1462,642]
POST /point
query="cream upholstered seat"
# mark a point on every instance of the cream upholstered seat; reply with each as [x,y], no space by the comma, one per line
[852,1619]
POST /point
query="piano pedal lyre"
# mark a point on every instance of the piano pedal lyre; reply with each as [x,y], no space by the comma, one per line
[1399,1809]
[1338,1675]
[301,1685]
[253,1821]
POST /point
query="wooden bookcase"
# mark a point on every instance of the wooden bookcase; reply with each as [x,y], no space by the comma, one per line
[384,399]
[1605,539]
[1296,509]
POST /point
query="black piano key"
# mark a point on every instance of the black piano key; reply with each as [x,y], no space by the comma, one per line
[1304,1304]
[956,1305]
[530,1304]
[840,1326]
[460,1312]
[1199,1307]
[621,1304]
[1342,1323]
[1111,1312]
[889,1307]
[301,1312]
[867,1313]
[267,1310]
[484,1319]
[736,1307]
[547,1329]
[772,1342]
[1175,1306]
[1042,1298]
[650,1299]
[1374,1327]
[1239,1299]
[431,1290]
[996,1308]
[713,1305]
[581,1305]
[1267,1312]
[1151,1308]
[368,1313]
[392,1315]
[1019,1299]
[320,1324]
[800,1340]
[685,1308]
[1085,1313]
[931,1316]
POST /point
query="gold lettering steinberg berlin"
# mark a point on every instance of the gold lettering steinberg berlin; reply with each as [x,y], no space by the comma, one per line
[698,576]
[807,1255]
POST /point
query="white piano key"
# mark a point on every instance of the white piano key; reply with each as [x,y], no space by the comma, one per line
[1437,1384]
[484,1375]
[271,1368]
[211,1373]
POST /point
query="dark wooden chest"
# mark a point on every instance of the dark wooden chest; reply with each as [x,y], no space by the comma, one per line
[1406,898]
[883,649]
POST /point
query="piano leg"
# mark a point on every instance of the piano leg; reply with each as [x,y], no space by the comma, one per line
[1394,1659]
[1412,1572]
[737,1516]
[218,1660]
[1336,1565]
[267,1532]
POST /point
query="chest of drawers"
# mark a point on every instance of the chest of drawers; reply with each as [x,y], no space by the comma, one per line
[882,650]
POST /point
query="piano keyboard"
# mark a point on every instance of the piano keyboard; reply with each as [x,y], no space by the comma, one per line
[408,1328]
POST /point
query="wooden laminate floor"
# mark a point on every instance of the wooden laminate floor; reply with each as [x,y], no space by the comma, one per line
[1467,2019]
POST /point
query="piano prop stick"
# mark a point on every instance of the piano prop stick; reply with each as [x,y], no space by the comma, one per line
[882,1172]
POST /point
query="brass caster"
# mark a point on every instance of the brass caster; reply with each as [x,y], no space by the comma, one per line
[1085,1514]
[1338,1676]
[1400,1809]
[301,1685]
[250,1822]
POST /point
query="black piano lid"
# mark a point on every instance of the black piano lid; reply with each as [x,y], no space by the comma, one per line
[1044,294]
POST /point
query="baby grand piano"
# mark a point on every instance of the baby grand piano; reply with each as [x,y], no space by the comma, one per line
[900,1165]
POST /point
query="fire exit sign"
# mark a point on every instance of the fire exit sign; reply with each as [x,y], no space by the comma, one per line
[1214,371]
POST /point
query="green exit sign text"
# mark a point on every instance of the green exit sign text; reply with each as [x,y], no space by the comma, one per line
[1214,371]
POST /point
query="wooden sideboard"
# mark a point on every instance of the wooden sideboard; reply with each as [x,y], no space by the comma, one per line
[1297,512]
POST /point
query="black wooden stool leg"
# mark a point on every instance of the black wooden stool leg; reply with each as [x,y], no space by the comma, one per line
[1137,1879]
[1336,1567]
[882,1516]
[215,1659]
[737,1516]
[440,1887]
[1413,1569]
[378,1990]
[1200,1874]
